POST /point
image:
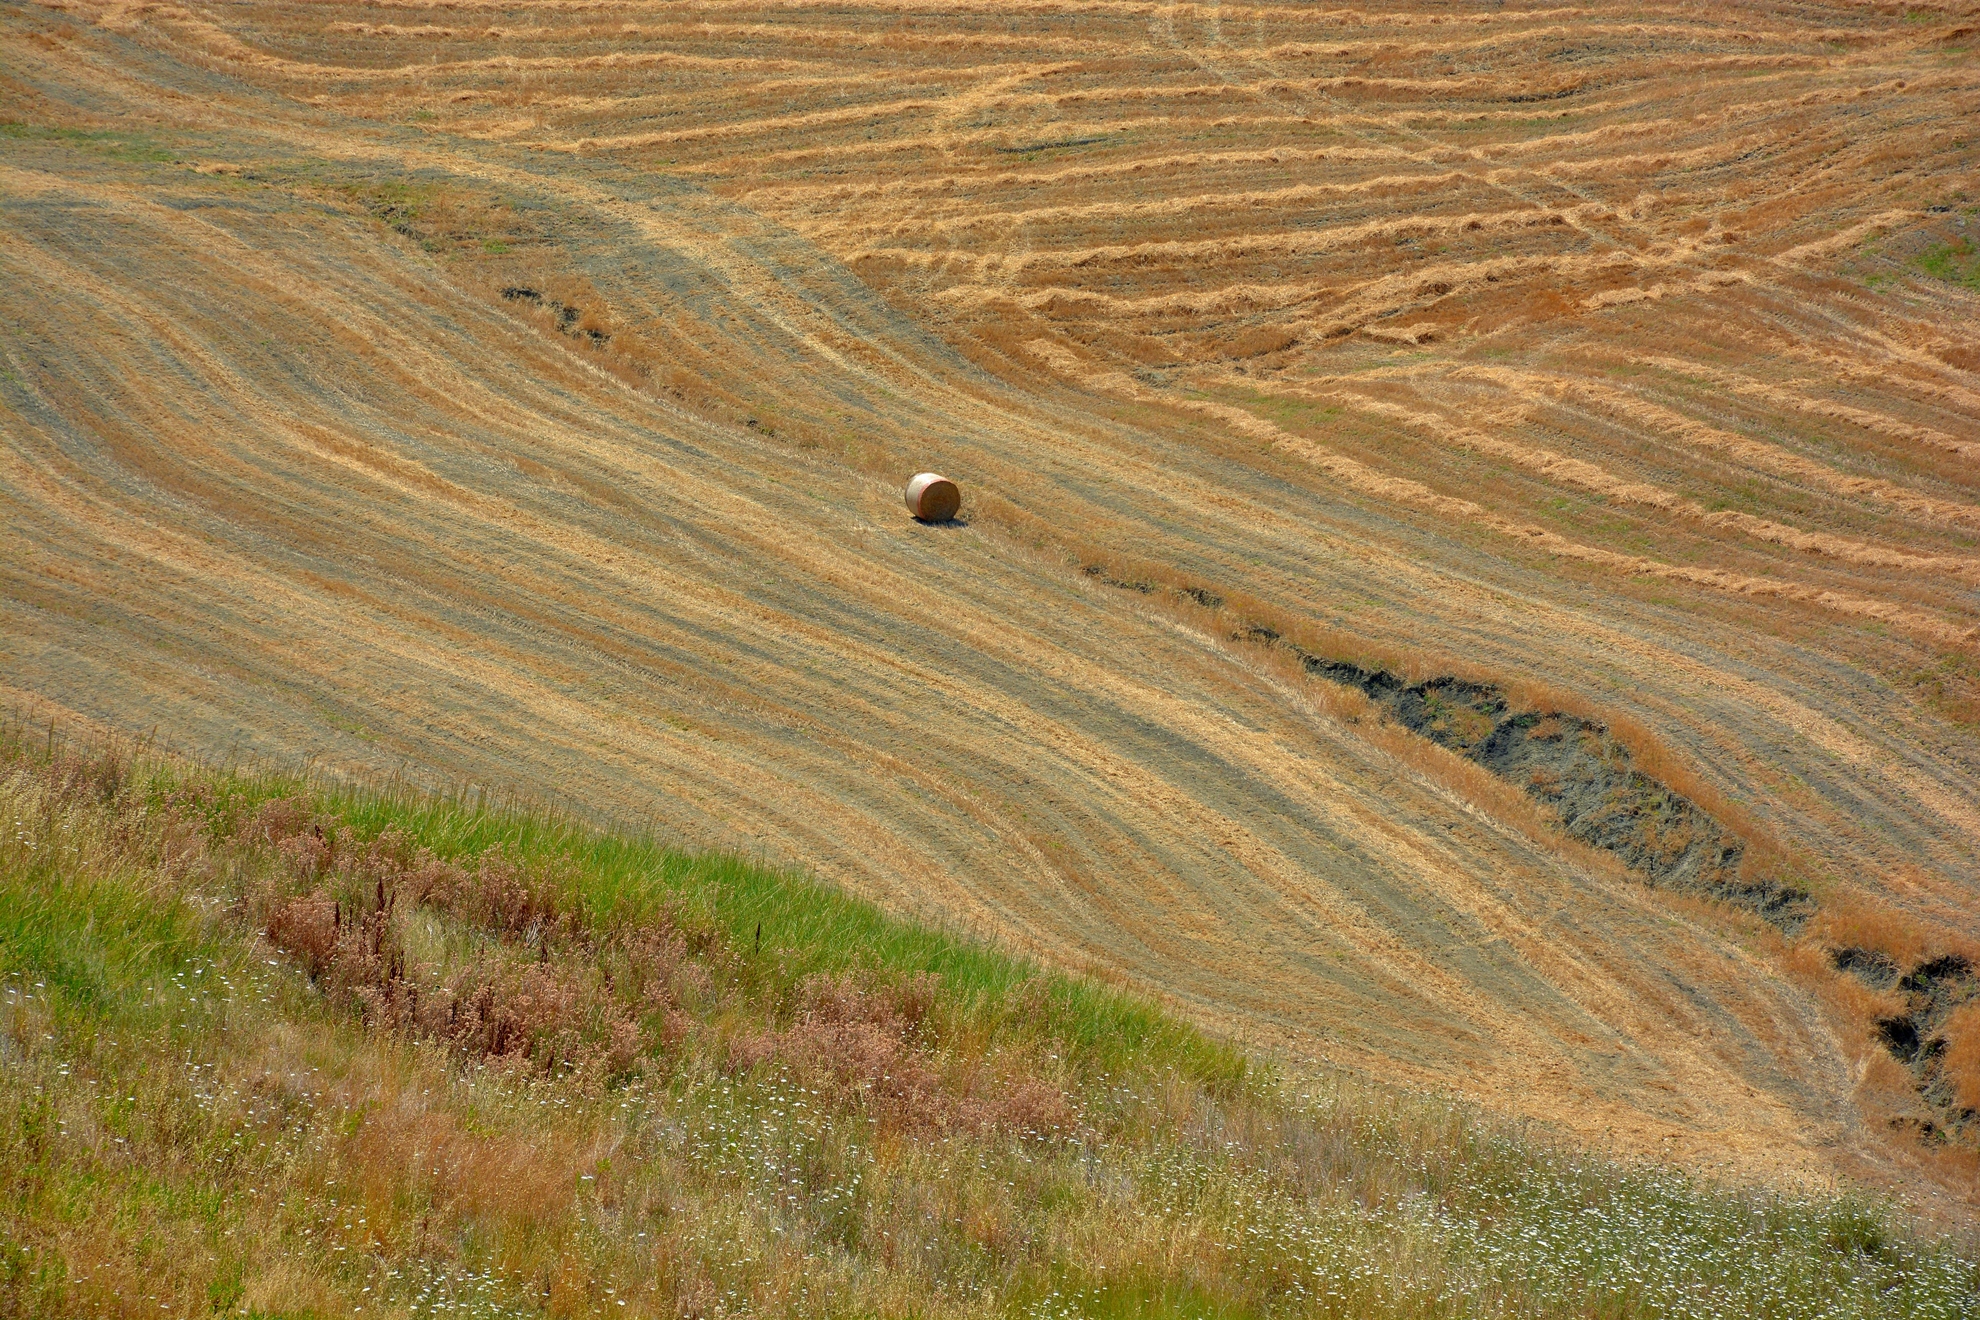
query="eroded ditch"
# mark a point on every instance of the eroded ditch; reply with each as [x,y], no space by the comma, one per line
[1576,766]
[1917,1036]
[1589,778]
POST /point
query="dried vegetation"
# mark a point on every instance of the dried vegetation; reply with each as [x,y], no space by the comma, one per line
[1603,365]
[282,1049]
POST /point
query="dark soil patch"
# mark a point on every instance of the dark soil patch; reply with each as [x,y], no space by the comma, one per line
[565,316]
[1580,770]
[1932,990]
[1877,970]
[1205,597]
[1574,765]
[1900,1037]
[1141,585]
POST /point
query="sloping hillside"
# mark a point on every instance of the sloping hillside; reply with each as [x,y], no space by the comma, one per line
[274,1049]
[520,396]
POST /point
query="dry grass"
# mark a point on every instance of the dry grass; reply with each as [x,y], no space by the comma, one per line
[1185,192]
[1960,1064]
[1863,923]
[224,1099]
[1275,636]
[1849,1000]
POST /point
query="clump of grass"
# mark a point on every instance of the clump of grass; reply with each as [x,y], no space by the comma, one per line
[225,1089]
[1955,263]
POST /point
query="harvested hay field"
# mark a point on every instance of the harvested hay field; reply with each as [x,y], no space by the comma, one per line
[1472,519]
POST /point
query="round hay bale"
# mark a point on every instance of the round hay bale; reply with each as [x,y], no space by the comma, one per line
[932,497]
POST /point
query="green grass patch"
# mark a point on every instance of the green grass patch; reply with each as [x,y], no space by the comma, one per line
[112,144]
[1955,263]
[240,1075]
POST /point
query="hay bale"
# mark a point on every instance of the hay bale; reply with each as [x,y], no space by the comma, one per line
[932,497]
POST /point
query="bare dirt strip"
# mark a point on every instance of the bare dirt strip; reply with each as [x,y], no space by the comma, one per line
[519,395]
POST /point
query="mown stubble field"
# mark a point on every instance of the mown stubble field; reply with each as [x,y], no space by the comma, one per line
[519,395]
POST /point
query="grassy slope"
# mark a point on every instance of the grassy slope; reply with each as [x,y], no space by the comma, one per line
[858,1118]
